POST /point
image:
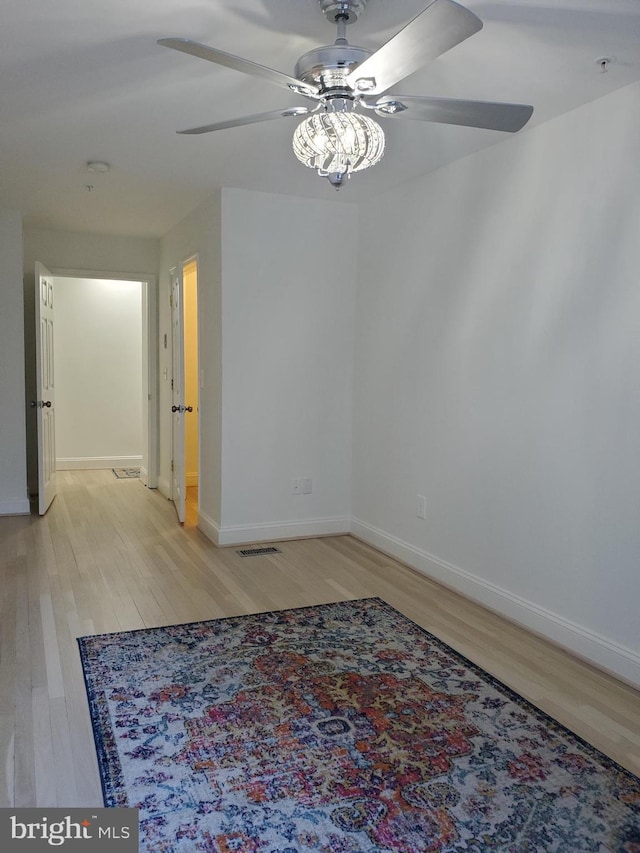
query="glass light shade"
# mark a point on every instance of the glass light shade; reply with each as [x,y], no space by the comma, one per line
[338,142]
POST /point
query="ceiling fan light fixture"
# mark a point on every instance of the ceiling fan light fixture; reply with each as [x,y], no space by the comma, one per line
[338,143]
[336,139]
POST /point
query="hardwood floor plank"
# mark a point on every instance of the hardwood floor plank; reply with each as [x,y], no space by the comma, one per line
[63,756]
[8,669]
[24,762]
[45,769]
[55,681]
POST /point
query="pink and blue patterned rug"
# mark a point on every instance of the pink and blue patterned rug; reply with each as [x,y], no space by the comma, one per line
[341,728]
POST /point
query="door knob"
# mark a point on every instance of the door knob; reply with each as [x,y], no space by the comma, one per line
[175,408]
[47,404]
[189,409]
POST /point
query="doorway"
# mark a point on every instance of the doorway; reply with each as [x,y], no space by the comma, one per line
[191,390]
[146,355]
[98,354]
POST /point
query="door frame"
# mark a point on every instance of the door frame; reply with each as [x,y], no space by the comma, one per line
[177,477]
[149,354]
[193,258]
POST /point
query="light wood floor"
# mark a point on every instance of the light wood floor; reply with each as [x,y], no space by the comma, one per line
[110,556]
[191,507]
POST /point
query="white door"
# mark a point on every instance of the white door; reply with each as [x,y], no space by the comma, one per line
[178,469]
[45,402]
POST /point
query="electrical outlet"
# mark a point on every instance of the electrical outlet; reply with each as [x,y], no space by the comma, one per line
[296,486]
[306,485]
[421,508]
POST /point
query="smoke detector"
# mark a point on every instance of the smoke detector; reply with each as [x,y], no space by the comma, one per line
[98,166]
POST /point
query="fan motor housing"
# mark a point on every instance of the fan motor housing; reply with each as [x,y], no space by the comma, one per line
[328,67]
[342,10]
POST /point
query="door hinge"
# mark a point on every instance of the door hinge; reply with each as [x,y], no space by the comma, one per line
[172,464]
[172,384]
[171,300]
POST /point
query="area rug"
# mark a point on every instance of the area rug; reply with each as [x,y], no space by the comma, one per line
[126,473]
[338,728]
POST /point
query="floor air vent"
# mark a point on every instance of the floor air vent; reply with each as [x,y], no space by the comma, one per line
[256,552]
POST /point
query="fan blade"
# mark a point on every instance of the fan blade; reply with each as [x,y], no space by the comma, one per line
[254,119]
[485,114]
[439,27]
[211,54]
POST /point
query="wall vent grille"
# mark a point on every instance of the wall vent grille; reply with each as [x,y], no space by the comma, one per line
[257,552]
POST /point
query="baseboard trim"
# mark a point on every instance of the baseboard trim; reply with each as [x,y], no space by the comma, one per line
[209,527]
[72,463]
[606,654]
[191,479]
[15,506]
[244,534]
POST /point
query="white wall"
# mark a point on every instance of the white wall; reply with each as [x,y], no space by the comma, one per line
[277,280]
[80,251]
[13,469]
[67,250]
[498,346]
[98,372]
[288,301]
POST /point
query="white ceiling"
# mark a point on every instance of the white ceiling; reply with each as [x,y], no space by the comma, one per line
[85,80]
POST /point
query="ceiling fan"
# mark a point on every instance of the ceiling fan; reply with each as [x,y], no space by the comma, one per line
[345,82]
